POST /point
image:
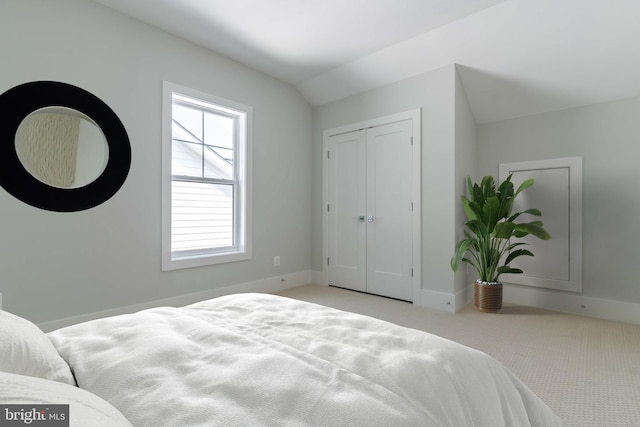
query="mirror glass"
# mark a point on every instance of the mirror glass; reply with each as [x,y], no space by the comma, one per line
[61,147]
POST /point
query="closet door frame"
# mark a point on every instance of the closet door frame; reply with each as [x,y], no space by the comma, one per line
[415,117]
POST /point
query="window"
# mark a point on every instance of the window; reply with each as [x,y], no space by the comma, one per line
[206,198]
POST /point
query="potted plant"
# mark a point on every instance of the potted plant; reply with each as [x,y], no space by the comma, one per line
[489,245]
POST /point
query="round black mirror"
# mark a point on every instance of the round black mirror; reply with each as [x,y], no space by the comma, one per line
[44,159]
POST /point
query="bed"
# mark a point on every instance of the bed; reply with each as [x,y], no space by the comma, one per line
[265,360]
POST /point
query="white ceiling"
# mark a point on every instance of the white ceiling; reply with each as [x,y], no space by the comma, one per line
[515,57]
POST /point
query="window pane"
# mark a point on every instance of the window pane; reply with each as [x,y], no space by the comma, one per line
[178,132]
[219,141]
[218,130]
[201,216]
[215,165]
[213,132]
[189,119]
[186,159]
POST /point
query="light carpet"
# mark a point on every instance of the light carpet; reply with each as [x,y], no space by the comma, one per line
[587,370]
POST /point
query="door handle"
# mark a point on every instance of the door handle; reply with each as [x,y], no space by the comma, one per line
[361,218]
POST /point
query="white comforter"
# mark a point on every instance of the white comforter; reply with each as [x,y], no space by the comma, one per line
[255,359]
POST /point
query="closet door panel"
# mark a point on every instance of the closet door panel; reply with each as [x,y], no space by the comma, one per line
[389,210]
[347,208]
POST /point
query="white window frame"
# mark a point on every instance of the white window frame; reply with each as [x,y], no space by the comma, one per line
[242,198]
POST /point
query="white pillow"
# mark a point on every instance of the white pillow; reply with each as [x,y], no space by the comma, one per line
[85,409]
[26,350]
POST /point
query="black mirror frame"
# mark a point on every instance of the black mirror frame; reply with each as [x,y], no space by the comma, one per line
[17,103]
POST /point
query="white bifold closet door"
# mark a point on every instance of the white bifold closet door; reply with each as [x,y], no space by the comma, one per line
[371,209]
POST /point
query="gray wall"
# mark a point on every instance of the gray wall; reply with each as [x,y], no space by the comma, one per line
[465,157]
[607,137]
[59,265]
[435,93]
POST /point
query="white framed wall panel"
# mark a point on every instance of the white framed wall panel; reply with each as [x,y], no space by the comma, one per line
[557,192]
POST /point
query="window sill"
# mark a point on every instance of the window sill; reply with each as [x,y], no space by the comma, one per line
[202,260]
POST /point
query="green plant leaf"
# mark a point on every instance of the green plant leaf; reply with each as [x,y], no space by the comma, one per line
[505,269]
[504,230]
[490,212]
[506,209]
[534,230]
[471,209]
[505,185]
[515,254]
[532,211]
[476,195]
[535,212]
[528,183]
[514,217]
[505,194]
[488,187]
[461,250]
[477,227]
[514,245]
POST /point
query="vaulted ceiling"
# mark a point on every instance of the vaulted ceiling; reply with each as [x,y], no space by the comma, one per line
[515,57]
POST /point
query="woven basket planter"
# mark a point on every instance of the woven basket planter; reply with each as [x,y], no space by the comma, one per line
[487,296]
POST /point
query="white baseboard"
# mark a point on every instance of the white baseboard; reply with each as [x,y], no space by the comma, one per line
[464,297]
[451,303]
[319,277]
[541,298]
[438,301]
[573,303]
[268,285]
